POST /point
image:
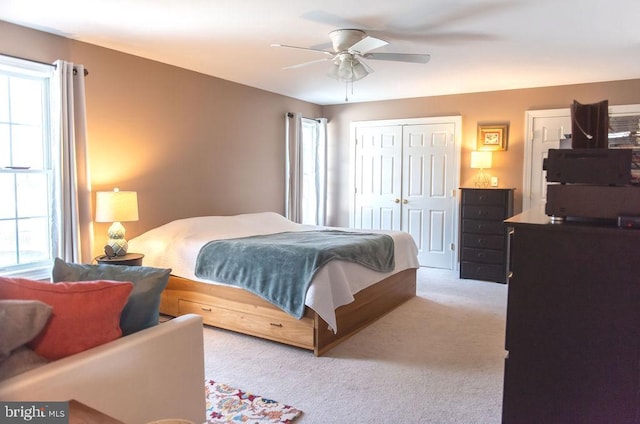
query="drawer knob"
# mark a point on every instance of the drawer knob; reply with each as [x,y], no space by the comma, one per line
[206,309]
[276,324]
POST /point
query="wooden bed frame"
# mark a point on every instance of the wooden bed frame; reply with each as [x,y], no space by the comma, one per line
[238,310]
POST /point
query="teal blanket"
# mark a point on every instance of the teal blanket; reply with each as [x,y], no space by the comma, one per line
[279,267]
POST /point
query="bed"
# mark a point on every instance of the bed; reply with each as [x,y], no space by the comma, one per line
[343,297]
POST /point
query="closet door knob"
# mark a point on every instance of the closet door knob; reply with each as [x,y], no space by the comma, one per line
[396,201]
[405,201]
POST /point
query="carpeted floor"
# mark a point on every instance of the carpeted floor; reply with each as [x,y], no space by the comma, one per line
[438,358]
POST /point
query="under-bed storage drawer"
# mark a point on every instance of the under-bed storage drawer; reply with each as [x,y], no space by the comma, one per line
[287,330]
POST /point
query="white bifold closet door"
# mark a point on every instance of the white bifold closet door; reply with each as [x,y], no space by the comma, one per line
[406,179]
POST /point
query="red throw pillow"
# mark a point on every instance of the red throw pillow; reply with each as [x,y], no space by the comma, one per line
[85,314]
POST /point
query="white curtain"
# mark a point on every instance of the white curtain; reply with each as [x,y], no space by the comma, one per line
[72,184]
[320,145]
[293,179]
[297,148]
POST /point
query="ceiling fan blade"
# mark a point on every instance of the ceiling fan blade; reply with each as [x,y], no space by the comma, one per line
[367,44]
[304,48]
[399,57]
[301,65]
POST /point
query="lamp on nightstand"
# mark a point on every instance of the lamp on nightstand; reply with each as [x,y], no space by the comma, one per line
[117,206]
[481,160]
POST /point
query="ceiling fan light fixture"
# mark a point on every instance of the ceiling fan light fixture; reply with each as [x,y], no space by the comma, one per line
[333,71]
[359,71]
[347,68]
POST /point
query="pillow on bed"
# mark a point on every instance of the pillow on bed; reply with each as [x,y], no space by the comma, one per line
[143,306]
[21,321]
[84,314]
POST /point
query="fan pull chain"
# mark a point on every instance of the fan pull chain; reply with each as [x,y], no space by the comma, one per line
[346,90]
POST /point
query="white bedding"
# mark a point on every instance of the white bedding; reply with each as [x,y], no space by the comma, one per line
[176,245]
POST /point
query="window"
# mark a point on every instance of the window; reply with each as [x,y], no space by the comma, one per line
[309,170]
[28,219]
[313,164]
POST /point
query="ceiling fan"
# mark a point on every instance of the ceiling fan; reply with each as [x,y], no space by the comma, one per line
[350,47]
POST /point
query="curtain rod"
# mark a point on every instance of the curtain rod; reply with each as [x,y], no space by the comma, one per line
[75,71]
[290,115]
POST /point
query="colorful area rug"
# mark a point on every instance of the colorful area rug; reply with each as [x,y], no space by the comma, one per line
[226,404]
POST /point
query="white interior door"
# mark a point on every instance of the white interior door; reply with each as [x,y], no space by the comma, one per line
[546,129]
[428,183]
[405,175]
[378,178]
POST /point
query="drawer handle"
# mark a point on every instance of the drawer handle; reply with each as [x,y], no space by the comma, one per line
[206,309]
[275,324]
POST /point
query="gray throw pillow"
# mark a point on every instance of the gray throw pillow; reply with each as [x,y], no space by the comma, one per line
[143,307]
[21,360]
[21,321]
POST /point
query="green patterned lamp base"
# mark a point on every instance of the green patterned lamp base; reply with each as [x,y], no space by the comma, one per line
[117,240]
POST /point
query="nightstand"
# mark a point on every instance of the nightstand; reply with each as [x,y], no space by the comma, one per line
[128,259]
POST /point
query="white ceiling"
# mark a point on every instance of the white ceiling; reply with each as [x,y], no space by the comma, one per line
[474,45]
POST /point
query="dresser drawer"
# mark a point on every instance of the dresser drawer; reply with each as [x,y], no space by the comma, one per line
[482,227]
[484,212]
[484,197]
[289,330]
[483,241]
[488,272]
[488,256]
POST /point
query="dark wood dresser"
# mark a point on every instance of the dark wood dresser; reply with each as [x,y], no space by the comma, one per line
[483,238]
[573,323]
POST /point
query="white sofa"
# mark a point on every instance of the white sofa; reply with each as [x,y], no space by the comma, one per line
[154,374]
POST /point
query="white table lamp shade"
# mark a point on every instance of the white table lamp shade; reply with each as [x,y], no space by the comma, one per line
[481,160]
[116,206]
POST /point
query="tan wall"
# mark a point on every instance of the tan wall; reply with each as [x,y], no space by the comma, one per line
[188,143]
[498,106]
